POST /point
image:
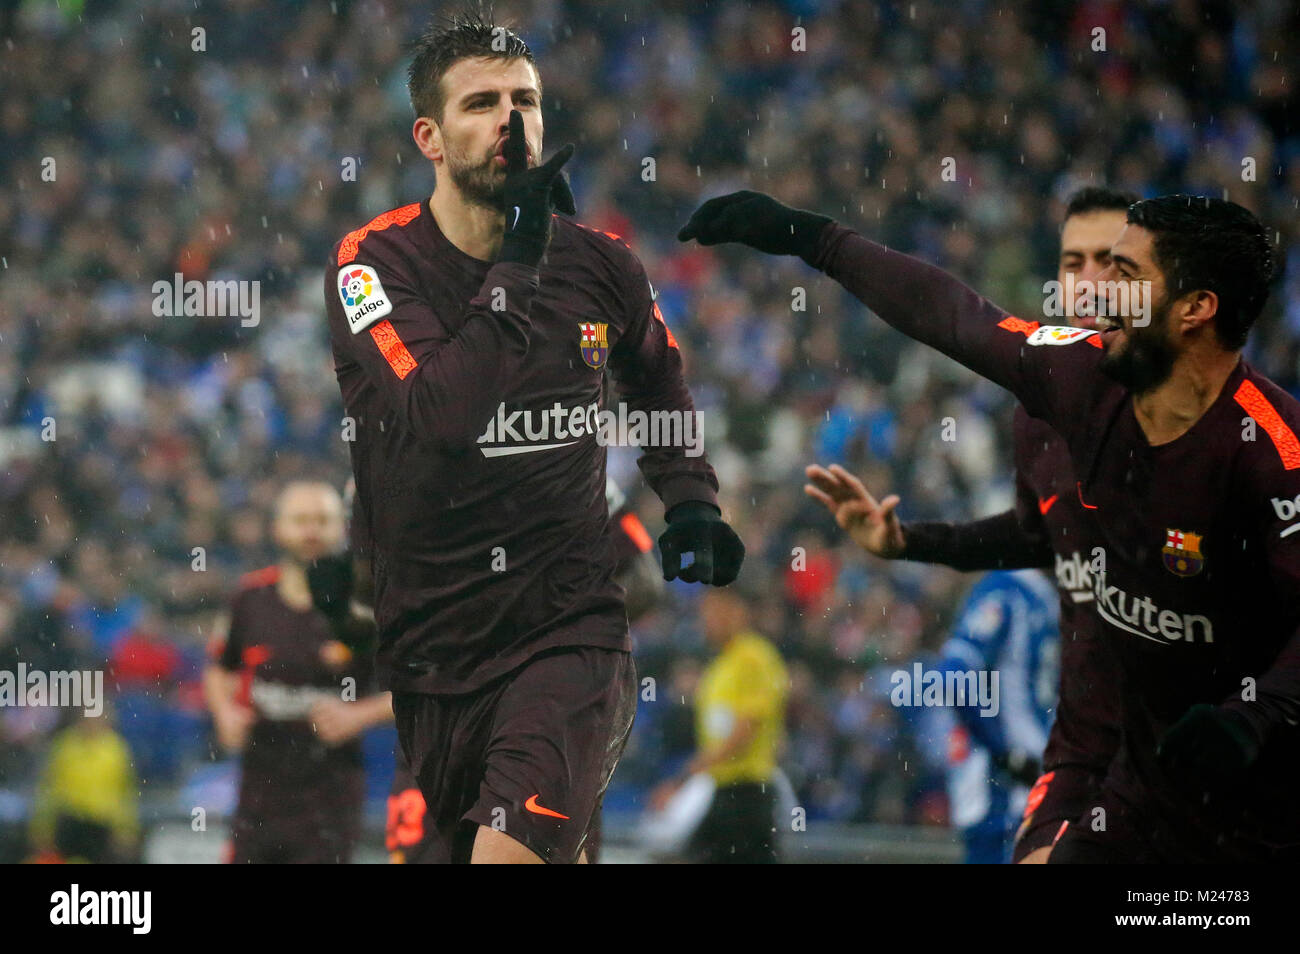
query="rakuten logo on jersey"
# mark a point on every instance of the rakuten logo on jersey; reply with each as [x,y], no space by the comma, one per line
[525,432]
[1287,510]
[1142,617]
[1074,576]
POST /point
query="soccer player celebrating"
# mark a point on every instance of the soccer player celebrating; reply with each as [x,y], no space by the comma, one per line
[472,335]
[1188,466]
[1047,517]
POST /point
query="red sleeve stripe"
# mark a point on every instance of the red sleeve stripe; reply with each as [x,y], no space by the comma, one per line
[659,315]
[352,241]
[592,228]
[392,348]
[632,526]
[1012,323]
[1265,414]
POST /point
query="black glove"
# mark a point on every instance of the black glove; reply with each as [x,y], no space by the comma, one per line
[1209,744]
[697,527]
[330,581]
[530,197]
[1019,766]
[756,220]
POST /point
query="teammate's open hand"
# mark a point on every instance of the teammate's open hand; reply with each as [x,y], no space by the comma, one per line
[873,526]
[697,527]
[531,196]
[756,220]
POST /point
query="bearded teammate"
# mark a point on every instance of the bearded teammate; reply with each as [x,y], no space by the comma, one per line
[472,336]
[406,838]
[1188,465]
[277,690]
[1047,518]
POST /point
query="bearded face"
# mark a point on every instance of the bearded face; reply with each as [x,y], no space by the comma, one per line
[480,179]
[1143,357]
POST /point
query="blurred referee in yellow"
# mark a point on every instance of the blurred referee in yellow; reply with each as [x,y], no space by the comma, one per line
[739,725]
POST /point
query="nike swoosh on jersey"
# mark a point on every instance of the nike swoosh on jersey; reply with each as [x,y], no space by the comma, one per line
[1045,503]
[536,809]
[516,221]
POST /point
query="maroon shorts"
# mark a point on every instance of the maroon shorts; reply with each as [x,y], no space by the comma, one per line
[529,754]
[1058,798]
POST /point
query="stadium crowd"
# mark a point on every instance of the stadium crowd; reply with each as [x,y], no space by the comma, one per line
[141,453]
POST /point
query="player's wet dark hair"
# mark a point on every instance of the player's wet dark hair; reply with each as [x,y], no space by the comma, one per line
[1098,199]
[461,35]
[1201,242]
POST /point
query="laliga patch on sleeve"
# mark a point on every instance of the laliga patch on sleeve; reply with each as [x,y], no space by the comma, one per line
[364,298]
[1059,335]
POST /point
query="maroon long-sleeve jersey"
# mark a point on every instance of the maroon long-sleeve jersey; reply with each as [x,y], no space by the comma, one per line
[1048,525]
[477,390]
[1200,592]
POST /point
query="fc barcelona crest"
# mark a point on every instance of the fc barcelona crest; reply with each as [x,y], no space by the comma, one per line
[594,341]
[1182,553]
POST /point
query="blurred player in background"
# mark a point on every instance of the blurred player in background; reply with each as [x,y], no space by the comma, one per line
[1187,462]
[1007,625]
[406,838]
[475,337]
[290,696]
[739,726]
[1047,519]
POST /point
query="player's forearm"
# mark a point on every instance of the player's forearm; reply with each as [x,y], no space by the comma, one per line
[995,543]
[447,395]
[455,392]
[676,467]
[922,301]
